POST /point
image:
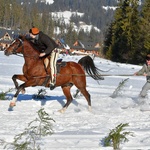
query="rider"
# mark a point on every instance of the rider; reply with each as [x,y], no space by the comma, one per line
[48,47]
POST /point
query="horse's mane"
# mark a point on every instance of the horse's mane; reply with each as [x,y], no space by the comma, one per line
[29,40]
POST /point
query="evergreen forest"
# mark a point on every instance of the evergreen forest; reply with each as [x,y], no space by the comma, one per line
[127,39]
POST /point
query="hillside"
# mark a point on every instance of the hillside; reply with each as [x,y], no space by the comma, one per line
[94,12]
[97,14]
[86,20]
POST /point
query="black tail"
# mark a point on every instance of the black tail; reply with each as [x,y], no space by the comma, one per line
[88,64]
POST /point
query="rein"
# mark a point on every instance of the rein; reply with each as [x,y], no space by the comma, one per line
[34,56]
[21,44]
[18,55]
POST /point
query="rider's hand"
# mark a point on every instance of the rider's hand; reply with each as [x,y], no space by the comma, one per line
[144,74]
[42,54]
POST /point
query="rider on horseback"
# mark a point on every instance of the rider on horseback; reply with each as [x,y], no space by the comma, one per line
[48,47]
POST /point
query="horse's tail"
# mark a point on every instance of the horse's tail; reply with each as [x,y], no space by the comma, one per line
[88,64]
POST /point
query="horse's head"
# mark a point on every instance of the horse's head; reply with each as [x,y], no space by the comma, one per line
[14,47]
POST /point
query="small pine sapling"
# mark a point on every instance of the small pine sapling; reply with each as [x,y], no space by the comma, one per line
[117,136]
[3,94]
[30,138]
[40,95]
[119,88]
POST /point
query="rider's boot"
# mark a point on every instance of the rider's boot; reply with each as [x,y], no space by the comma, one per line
[52,83]
[52,86]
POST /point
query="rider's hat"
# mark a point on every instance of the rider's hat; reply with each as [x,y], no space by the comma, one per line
[34,31]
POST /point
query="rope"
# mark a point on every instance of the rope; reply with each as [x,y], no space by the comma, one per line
[83,75]
[117,75]
[96,75]
[78,74]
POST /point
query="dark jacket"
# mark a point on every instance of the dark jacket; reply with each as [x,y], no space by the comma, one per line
[45,43]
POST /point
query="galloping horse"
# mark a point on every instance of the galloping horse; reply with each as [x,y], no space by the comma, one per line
[36,74]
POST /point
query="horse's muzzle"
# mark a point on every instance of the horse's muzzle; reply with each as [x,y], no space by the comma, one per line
[6,53]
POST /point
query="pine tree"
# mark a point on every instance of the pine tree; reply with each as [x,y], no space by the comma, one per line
[123,30]
[70,35]
[107,51]
[145,30]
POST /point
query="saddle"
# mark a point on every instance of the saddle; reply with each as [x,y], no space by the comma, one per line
[59,65]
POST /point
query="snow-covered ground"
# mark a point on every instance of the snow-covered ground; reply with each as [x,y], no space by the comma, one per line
[77,128]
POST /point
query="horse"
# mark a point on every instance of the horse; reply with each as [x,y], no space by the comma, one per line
[35,73]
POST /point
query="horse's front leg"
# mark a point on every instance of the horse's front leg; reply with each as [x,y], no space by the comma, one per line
[13,101]
[28,83]
[21,78]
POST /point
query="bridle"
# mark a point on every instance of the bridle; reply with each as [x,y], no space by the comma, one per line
[22,51]
[19,45]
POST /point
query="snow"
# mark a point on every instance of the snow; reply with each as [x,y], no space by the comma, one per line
[65,17]
[109,7]
[50,1]
[78,128]
[46,1]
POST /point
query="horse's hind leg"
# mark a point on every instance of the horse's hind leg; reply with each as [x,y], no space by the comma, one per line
[66,91]
[87,96]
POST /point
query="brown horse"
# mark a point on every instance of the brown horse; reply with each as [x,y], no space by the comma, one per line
[36,74]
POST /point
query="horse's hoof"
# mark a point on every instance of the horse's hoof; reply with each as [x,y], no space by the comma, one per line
[52,86]
[12,104]
[62,110]
[10,109]
[90,108]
